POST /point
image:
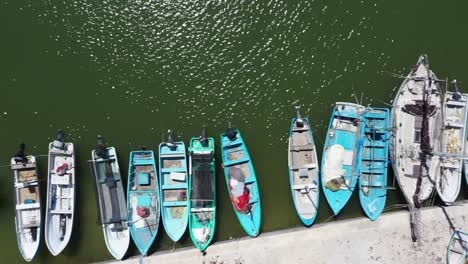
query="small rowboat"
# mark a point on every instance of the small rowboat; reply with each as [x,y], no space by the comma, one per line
[60,194]
[374,165]
[110,196]
[457,250]
[341,159]
[449,172]
[241,181]
[173,175]
[28,203]
[416,120]
[143,199]
[303,169]
[202,191]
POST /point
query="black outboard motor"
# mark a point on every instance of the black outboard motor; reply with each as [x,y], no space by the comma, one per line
[299,120]
[231,134]
[457,95]
[170,142]
[20,156]
[101,149]
[203,139]
[58,142]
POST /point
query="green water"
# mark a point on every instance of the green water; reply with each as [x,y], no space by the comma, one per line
[131,69]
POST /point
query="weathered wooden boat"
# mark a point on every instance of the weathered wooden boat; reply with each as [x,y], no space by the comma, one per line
[27,203]
[202,191]
[449,171]
[341,160]
[110,198]
[374,162]
[457,250]
[173,175]
[303,169]
[143,199]
[60,194]
[416,121]
[241,181]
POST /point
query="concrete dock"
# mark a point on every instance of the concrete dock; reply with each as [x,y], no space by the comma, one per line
[387,240]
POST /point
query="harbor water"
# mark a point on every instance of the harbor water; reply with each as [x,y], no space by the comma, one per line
[130,70]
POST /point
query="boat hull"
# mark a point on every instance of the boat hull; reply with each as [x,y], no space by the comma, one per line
[341,160]
[109,188]
[28,218]
[236,159]
[143,199]
[202,193]
[173,175]
[60,198]
[374,162]
[302,158]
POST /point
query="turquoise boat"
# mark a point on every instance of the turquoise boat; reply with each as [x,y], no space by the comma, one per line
[241,181]
[202,191]
[173,175]
[303,170]
[457,251]
[341,159]
[143,199]
[374,165]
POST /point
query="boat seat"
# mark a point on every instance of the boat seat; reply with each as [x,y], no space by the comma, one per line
[453,124]
[175,155]
[174,186]
[28,206]
[61,211]
[23,166]
[169,170]
[60,179]
[235,162]
[306,166]
[456,103]
[175,204]
[307,147]
[202,210]
[300,129]
[299,187]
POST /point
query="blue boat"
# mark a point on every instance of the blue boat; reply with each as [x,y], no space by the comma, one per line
[374,165]
[303,170]
[241,181]
[341,159]
[143,199]
[173,175]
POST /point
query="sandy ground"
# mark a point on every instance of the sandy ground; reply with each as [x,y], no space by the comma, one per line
[387,240]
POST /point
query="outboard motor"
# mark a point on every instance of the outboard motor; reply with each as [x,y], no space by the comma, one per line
[231,134]
[299,120]
[101,149]
[20,156]
[170,142]
[203,139]
[58,142]
[457,95]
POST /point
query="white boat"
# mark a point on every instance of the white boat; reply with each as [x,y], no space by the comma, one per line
[448,175]
[416,120]
[27,203]
[111,199]
[60,194]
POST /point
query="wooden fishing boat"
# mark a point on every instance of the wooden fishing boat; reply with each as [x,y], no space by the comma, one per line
[303,169]
[143,199]
[110,198]
[173,175]
[449,171]
[457,250]
[341,159]
[27,203]
[241,181]
[416,121]
[60,194]
[374,162]
[202,191]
